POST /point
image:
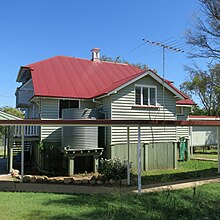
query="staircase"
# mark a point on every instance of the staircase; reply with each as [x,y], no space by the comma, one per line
[17,148]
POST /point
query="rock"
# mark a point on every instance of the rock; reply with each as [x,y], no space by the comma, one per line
[33,179]
[92,182]
[99,182]
[40,179]
[45,179]
[26,178]
[52,180]
[18,177]
[107,182]
[59,180]
[77,182]
[111,181]
[85,181]
[124,182]
[15,173]
[68,180]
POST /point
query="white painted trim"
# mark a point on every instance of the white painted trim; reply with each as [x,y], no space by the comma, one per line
[154,76]
[185,106]
[128,162]
[139,160]
[148,87]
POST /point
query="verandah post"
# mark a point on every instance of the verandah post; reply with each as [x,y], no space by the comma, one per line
[139,159]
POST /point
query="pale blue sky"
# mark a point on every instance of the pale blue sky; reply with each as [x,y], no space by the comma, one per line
[36,30]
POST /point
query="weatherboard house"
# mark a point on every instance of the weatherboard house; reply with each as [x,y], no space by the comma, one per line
[64,87]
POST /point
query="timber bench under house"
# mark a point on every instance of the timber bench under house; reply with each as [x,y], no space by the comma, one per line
[64,87]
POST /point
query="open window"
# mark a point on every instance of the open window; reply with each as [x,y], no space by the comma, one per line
[63,104]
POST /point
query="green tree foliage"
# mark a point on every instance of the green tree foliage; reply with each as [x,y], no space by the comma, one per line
[197,110]
[205,85]
[119,60]
[204,36]
[12,111]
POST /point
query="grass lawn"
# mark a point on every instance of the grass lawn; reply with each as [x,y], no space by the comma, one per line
[206,152]
[181,204]
[209,156]
[186,170]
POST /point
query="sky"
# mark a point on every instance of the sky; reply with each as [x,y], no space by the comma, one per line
[35,30]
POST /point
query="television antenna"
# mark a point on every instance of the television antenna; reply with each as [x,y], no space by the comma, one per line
[164,48]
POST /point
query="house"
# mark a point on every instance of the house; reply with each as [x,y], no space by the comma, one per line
[70,88]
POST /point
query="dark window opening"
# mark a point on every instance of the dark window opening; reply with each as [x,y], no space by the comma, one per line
[67,104]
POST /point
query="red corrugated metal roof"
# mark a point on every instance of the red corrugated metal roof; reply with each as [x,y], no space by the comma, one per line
[186,102]
[68,77]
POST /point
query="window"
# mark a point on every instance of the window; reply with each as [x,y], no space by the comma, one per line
[179,110]
[67,104]
[145,95]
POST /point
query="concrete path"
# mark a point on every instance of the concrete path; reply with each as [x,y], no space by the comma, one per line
[7,184]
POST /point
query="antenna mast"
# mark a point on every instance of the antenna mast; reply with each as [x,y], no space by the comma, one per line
[164,46]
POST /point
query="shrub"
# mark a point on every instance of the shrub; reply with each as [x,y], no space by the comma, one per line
[113,168]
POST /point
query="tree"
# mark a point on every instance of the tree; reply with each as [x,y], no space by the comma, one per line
[12,111]
[204,84]
[205,36]
[119,60]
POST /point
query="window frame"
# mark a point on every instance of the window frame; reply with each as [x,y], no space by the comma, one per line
[142,97]
[79,101]
[182,111]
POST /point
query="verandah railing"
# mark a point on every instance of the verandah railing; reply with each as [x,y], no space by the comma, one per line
[29,131]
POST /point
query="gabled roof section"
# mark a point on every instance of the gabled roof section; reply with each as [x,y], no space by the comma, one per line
[186,100]
[6,116]
[69,77]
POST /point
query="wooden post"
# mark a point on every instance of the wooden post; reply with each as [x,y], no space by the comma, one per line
[95,163]
[175,154]
[139,160]
[70,166]
[22,153]
[128,149]
[10,149]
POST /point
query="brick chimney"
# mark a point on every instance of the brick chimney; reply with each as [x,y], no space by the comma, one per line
[96,55]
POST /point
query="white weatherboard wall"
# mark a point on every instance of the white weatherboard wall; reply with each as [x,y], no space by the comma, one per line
[183,131]
[123,107]
[50,110]
[204,135]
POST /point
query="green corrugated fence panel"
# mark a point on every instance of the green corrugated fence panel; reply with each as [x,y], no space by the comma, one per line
[154,155]
[120,151]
